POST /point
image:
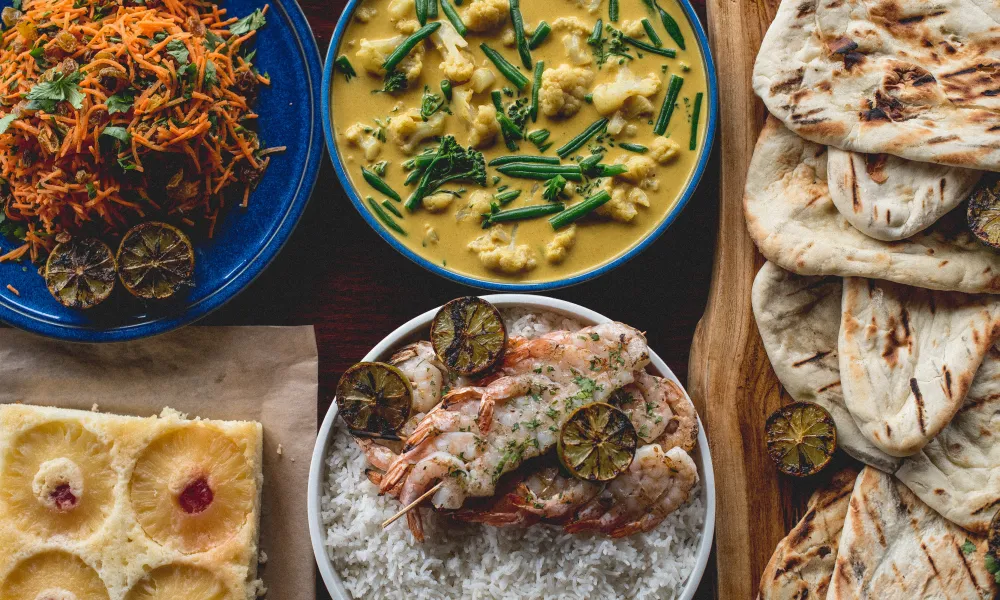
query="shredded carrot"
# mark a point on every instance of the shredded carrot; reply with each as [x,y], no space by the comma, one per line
[178,142]
[13,290]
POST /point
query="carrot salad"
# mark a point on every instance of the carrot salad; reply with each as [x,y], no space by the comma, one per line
[113,111]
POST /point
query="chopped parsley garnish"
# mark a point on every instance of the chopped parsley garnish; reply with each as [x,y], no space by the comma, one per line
[179,51]
[251,22]
[63,88]
[968,547]
[120,102]
[6,121]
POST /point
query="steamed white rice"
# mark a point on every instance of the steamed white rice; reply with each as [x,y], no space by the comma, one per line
[477,561]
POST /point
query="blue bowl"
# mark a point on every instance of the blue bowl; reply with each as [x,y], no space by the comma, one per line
[246,240]
[686,194]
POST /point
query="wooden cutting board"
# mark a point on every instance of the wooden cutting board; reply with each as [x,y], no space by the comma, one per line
[730,378]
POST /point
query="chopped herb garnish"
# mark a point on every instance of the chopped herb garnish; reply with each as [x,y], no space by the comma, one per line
[251,22]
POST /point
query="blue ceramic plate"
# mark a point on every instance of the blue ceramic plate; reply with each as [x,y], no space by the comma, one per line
[345,180]
[246,240]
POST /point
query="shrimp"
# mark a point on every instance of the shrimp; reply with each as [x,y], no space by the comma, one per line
[426,373]
[656,484]
[660,412]
[551,495]
[520,414]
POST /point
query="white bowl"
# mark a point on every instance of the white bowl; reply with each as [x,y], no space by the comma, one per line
[417,329]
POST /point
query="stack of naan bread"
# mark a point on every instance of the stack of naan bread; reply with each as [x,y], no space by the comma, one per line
[878,303]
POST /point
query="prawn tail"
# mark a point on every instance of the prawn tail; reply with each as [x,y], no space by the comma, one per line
[460,395]
[416,524]
[486,415]
[394,476]
[626,530]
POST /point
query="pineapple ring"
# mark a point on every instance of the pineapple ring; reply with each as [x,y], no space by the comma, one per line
[33,579]
[192,489]
[178,581]
[57,480]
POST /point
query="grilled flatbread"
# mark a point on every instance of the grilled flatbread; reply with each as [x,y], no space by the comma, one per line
[802,564]
[895,547]
[958,472]
[891,198]
[799,321]
[912,78]
[908,357]
[791,217]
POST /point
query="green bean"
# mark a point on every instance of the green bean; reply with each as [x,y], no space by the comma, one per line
[576,143]
[389,206]
[414,176]
[446,89]
[421,7]
[454,17]
[649,31]
[517,158]
[506,69]
[381,186]
[517,20]
[613,10]
[695,114]
[505,198]
[408,45]
[344,66]
[523,213]
[545,147]
[541,172]
[667,110]
[418,162]
[432,10]
[673,30]
[597,34]
[539,69]
[580,210]
[538,137]
[637,148]
[668,52]
[609,170]
[541,32]
[385,218]
[590,162]
[589,98]
[511,132]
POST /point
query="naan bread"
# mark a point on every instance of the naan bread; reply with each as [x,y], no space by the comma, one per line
[895,547]
[912,78]
[792,219]
[958,472]
[802,564]
[891,198]
[799,321]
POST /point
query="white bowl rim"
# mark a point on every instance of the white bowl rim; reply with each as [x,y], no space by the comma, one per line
[317,469]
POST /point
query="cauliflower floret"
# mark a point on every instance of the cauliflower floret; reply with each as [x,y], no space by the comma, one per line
[409,129]
[664,150]
[457,65]
[628,190]
[480,202]
[359,135]
[572,25]
[633,29]
[563,89]
[438,202]
[366,13]
[486,15]
[641,169]
[496,252]
[485,127]
[575,39]
[461,104]
[591,6]
[611,97]
[508,38]
[559,247]
[483,79]
[372,54]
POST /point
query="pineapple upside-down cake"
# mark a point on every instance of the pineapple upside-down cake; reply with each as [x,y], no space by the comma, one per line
[104,507]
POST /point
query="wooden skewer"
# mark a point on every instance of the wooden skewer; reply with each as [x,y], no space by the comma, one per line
[413,505]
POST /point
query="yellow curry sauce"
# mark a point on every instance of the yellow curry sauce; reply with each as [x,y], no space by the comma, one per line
[383,129]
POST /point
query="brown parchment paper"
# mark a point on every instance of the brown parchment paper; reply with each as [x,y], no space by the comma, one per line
[265,374]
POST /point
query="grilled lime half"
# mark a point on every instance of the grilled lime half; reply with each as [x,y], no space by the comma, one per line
[984,211]
[597,442]
[374,399]
[80,273]
[155,260]
[801,438]
[469,336]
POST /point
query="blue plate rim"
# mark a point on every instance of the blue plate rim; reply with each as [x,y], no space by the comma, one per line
[277,239]
[495,286]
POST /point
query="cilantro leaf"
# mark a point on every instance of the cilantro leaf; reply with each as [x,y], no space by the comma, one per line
[120,102]
[119,133]
[179,51]
[213,40]
[992,566]
[968,547]
[251,22]
[211,75]
[91,190]
[63,88]
[6,121]
[16,4]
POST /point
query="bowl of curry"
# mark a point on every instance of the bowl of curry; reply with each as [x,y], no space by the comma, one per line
[519,146]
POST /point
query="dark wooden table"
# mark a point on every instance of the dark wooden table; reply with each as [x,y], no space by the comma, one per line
[336,274]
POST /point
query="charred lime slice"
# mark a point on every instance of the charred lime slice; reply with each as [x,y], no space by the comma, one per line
[155,260]
[984,211]
[801,438]
[374,399]
[597,442]
[469,336]
[80,273]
